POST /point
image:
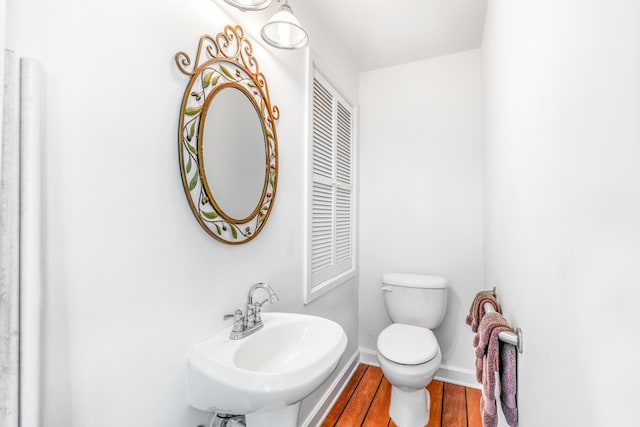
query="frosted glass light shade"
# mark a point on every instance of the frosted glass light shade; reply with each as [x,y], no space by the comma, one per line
[284,31]
[249,4]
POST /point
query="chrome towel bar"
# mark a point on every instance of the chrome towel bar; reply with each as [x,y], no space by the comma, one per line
[513,338]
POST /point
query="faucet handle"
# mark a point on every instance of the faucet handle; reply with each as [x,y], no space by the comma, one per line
[258,309]
[251,315]
[260,304]
[238,320]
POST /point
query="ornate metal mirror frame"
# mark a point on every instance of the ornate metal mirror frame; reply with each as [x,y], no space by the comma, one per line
[224,61]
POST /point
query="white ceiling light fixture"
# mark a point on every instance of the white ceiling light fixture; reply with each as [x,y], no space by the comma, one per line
[249,4]
[284,30]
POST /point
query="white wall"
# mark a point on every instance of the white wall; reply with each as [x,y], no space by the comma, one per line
[562,135]
[132,279]
[421,190]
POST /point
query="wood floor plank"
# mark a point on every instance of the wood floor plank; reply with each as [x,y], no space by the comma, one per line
[378,414]
[474,418]
[345,396]
[365,402]
[359,404]
[435,389]
[454,407]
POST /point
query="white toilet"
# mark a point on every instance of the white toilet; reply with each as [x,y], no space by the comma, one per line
[408,352]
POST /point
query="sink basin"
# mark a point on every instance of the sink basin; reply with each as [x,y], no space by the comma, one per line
[265,375]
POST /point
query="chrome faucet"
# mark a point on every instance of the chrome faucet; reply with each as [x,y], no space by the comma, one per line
[256,307]
[251,321]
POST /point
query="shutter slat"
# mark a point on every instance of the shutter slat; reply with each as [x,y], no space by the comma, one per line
[343,225]
[321,226]
[343,144]
[322,130]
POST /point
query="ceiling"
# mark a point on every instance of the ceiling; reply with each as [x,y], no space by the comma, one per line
[384,33]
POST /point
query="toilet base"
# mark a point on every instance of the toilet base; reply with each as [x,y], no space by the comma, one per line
[409,408]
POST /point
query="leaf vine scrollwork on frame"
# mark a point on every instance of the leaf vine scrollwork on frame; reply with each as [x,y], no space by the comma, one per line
[225,60]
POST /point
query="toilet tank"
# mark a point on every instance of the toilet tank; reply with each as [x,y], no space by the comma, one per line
[415,299]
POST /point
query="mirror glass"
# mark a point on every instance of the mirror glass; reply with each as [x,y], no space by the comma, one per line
[233,153]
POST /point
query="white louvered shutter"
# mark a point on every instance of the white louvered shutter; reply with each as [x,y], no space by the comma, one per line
[331,234]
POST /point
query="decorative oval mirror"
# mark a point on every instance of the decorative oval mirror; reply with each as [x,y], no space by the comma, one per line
[227,138]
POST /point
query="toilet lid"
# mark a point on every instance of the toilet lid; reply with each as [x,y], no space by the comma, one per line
[407,344]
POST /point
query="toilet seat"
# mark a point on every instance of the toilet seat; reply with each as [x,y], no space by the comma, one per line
[407,344]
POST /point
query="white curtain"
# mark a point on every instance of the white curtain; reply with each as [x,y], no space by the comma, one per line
[21,242]
[9,244]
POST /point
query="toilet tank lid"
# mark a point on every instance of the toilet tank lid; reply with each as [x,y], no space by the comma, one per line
[414,280]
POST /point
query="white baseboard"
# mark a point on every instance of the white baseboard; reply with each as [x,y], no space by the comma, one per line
[322,408]
[369,357]
[459,376]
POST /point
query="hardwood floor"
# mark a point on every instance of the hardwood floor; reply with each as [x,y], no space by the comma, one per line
[365,402]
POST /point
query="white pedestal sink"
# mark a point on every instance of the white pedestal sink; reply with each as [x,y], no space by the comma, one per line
[265,375]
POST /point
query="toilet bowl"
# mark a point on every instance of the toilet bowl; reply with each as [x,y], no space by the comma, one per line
[408,351]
